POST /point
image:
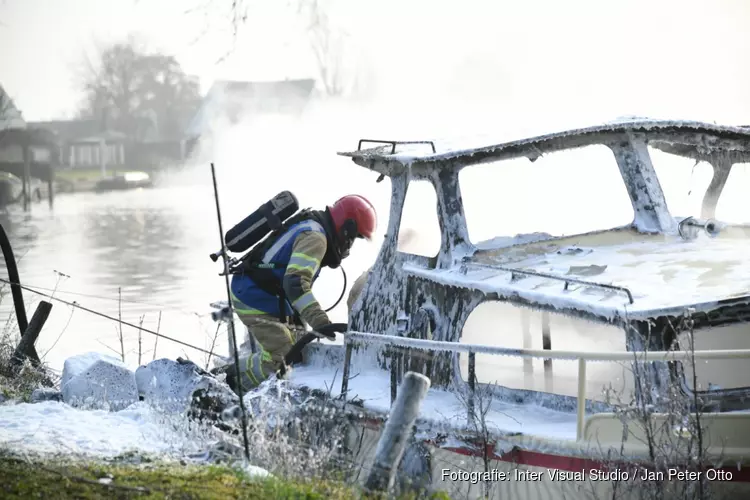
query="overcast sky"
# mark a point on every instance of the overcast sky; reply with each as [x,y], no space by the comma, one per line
[655,57]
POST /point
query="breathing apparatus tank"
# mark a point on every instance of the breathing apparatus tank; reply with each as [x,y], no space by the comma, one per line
[267,218]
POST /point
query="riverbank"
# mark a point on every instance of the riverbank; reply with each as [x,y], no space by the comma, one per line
[79,180]
[34,478]
[52,450]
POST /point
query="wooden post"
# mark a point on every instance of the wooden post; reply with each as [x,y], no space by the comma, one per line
[347,367]
[397,431]
[581,413]
[547,345]
[25,348]
[394,373]
[102,161]
[417,358]
[528,363]
[51,183]
[472,385]
[26,177]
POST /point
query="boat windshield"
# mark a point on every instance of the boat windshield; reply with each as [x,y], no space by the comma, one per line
[582,190]
[562,193]
[685,183]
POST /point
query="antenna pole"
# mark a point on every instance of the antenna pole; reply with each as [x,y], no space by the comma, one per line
[230,323]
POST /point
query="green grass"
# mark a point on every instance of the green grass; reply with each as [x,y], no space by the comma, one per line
[80,174]
[31,478]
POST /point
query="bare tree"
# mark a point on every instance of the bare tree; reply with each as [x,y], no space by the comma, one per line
[668,425]
[327,42]
[328,45]
[132,91]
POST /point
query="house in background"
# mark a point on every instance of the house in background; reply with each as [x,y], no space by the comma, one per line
[26,154]
[232,101]
[85,144]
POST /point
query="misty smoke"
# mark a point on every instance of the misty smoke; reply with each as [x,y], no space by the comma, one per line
[478,75]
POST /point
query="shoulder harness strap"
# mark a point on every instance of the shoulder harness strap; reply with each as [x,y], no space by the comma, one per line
[252,265]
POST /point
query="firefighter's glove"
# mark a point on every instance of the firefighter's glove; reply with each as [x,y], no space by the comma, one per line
[329,331]
[284,371]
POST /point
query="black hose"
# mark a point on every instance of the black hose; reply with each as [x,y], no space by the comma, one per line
[15,281]
[294,355]
[343,291]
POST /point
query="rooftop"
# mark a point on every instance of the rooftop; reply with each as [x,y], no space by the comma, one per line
[77,130]
[10,116]
[237,97]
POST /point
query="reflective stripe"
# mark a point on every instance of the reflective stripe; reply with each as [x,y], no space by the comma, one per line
[258,366]
[302,261]
[249,369]
[309,225]
[249,312]
[304,302]
[254,367]
[289,335]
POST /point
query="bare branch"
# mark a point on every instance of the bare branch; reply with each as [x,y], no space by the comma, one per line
[327,42]
[136,92]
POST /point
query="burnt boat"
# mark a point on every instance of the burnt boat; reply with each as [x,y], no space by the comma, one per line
[672,293]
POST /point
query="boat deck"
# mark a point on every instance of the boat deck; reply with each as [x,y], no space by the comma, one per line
[439,406]
[663,273]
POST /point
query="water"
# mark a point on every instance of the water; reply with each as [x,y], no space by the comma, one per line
[153,245]
[149,247]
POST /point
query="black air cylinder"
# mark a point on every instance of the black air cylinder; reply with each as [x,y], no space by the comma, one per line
[268,217]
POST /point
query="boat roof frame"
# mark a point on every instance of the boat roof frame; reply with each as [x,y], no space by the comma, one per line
[720,145]
[699,141]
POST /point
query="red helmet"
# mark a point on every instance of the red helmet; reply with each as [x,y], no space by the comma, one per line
[357,209]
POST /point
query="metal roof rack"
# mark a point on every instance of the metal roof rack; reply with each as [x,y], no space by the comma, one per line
[567,281]
[394,144]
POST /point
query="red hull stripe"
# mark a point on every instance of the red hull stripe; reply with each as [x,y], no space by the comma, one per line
[572,464]
[550,461]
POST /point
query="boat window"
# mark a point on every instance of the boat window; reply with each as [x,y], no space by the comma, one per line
[733,206]
[563,193]
[419,233]
[11,153]
[683,181]
[507,325]
[720,373]
[41,155]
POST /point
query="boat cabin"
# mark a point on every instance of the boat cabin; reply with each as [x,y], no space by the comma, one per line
[576,319]
[654,282]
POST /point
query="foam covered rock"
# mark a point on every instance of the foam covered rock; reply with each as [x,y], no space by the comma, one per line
[97,380]
[179,385]
[45,394]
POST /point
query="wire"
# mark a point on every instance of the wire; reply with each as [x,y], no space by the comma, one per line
[343,291]
[102,297]
[97,313]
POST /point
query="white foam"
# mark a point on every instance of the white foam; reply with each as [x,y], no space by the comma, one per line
[52,427]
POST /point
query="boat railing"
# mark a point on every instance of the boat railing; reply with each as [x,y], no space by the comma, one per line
[583,357]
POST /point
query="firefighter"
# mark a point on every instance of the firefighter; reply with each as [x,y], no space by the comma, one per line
[274,291]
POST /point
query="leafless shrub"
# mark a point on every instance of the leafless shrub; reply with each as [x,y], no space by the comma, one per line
[665,420]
